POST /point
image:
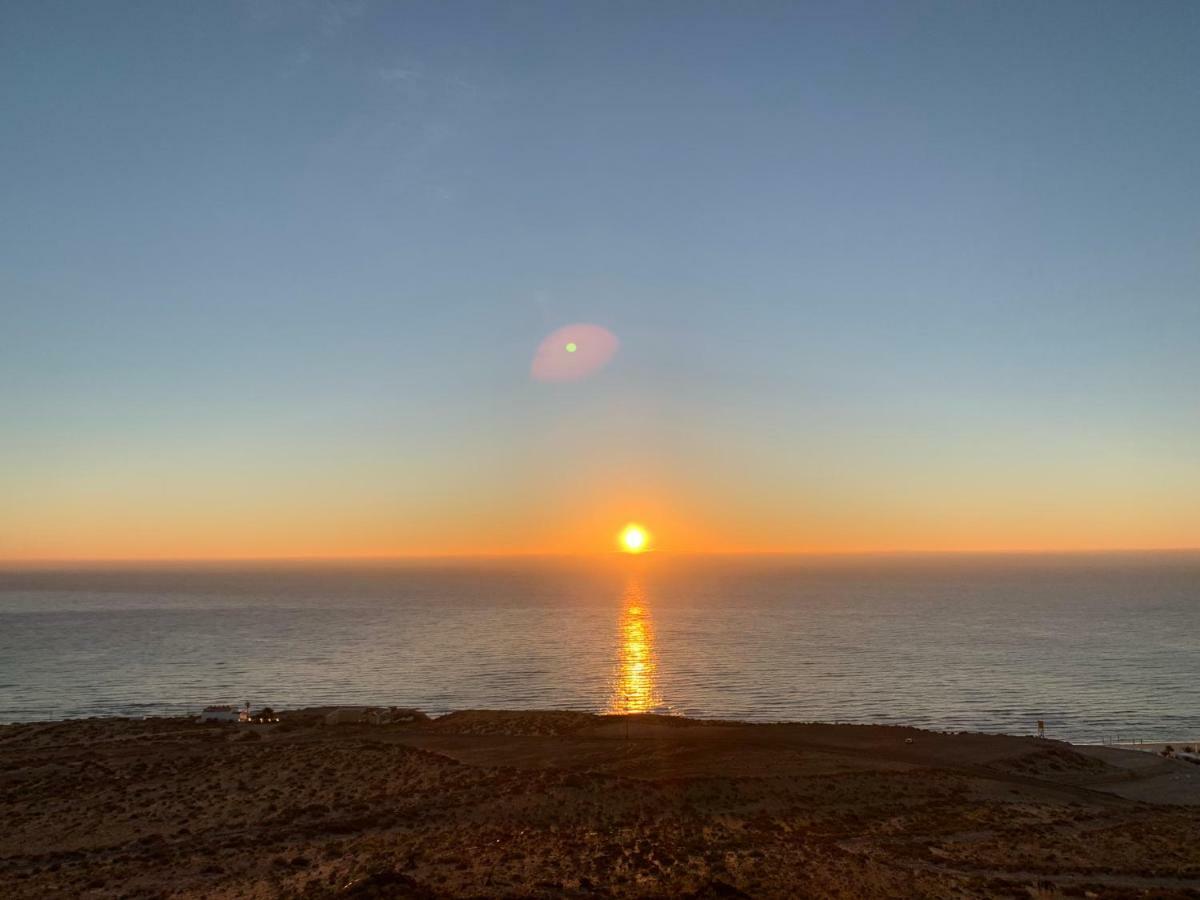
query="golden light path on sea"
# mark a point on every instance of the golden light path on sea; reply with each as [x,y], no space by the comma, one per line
[635,682]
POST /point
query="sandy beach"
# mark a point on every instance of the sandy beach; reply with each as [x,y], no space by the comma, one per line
[568,804]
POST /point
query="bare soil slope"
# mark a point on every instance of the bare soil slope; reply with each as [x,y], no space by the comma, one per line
[483,804]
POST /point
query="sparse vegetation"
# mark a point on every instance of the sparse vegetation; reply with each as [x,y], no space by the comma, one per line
[520,804]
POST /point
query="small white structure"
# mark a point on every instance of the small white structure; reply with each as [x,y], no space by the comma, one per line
[225,713]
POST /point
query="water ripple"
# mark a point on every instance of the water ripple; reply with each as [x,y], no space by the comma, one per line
[1095,649]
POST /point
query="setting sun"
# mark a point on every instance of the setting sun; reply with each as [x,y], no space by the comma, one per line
[634,539]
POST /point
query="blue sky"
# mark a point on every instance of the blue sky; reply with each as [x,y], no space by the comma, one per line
[882,274]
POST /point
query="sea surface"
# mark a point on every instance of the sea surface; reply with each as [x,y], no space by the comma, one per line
[1099,647]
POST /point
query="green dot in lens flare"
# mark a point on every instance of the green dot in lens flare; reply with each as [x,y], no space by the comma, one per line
[571,348]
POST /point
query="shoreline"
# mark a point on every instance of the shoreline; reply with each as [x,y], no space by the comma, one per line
[1146,746]
[1150,745]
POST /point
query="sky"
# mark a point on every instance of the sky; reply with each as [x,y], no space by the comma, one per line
[883,277]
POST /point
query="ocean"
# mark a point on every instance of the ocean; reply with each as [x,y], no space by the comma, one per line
[1100,647]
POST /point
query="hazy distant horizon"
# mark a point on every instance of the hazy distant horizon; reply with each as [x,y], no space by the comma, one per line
[617,557]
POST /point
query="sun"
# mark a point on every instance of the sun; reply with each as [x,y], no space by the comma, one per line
[634,539]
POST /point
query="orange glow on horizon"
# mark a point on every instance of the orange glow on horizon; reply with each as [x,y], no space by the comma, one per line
[258,519]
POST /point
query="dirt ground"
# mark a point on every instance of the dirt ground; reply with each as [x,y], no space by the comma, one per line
[493,804]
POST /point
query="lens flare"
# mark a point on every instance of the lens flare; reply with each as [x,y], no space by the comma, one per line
[573,352]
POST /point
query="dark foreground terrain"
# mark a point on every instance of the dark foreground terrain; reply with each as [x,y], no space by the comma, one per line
[485,804]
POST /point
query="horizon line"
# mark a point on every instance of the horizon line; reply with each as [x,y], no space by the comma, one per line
[532,555]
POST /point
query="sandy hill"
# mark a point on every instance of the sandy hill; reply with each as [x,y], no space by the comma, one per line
[483,804]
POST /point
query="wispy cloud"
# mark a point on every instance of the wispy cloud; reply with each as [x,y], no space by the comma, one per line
[323,17]
[404,114]
[398,74]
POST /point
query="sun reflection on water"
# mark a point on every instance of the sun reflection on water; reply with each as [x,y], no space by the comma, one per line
[635,679]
